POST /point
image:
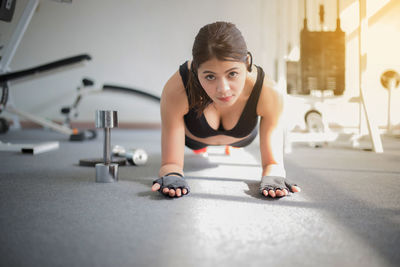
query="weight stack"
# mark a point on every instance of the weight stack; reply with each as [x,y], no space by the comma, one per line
[293,77]
[322,59]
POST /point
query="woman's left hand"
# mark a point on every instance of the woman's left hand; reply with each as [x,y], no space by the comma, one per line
[276,186]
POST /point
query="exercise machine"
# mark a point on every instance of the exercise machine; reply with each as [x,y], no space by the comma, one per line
[86,88]
[7,9]
[390,80]
[322,70]
[5,79]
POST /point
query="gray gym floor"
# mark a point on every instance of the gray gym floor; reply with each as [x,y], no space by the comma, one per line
[52,213]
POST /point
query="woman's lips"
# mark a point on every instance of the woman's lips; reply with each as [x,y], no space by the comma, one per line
[225,99]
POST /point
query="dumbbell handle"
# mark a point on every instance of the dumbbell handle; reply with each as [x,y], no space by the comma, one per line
[106,119]
[107,146]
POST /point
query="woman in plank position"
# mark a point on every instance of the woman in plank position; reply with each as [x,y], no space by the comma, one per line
[221,98]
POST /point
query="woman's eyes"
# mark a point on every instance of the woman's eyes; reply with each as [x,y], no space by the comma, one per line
[210,77]
[232,74]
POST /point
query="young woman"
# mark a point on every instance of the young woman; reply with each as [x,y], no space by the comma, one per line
[220,98]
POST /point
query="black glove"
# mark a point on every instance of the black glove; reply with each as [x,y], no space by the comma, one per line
[171,181]
[274,183]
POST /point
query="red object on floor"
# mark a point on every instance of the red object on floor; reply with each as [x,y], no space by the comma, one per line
[227,150]
[200,151]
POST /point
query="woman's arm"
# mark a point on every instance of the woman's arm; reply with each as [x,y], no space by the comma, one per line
[270,107]
[174,106]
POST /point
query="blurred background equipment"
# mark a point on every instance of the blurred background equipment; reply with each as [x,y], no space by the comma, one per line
[319,75]
[7,8]
[86,88]
[6,76]
[390,80]
[322,59]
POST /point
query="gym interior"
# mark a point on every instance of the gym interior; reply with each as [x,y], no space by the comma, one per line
[80,142]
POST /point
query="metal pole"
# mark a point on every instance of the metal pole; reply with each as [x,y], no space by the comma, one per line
[107,146]
[337,9]
[389,122]
[41,121]
[305,15]
[16,38]
[337,14]
[362,45]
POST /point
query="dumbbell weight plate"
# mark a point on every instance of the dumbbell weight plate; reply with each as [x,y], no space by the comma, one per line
[106,173]
[136,156]
[313,119]
[118,150]
[389,77]
[106,119]
[93,161]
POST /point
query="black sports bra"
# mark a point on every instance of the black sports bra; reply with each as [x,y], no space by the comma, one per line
[248,119]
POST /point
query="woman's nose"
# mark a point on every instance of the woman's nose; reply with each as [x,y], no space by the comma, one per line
[223,86]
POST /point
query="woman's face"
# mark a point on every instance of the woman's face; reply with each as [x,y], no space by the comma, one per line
[223,81]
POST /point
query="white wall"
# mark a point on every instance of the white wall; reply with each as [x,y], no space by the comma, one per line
[135,43]
[140,43]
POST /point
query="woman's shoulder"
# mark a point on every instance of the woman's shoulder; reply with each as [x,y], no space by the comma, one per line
[271,98]
[176,80]
[174,93]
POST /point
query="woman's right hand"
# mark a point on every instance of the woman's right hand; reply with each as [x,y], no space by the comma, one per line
[171,185]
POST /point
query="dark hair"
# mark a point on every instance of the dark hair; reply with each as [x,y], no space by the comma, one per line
[220,40]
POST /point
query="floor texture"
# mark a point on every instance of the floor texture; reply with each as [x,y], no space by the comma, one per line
[53,213]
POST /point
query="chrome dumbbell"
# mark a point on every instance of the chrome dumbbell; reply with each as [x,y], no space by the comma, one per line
[106,172]
[133,156]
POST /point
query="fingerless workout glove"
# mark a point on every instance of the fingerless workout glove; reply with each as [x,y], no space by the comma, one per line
[171,181]
[274,183]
